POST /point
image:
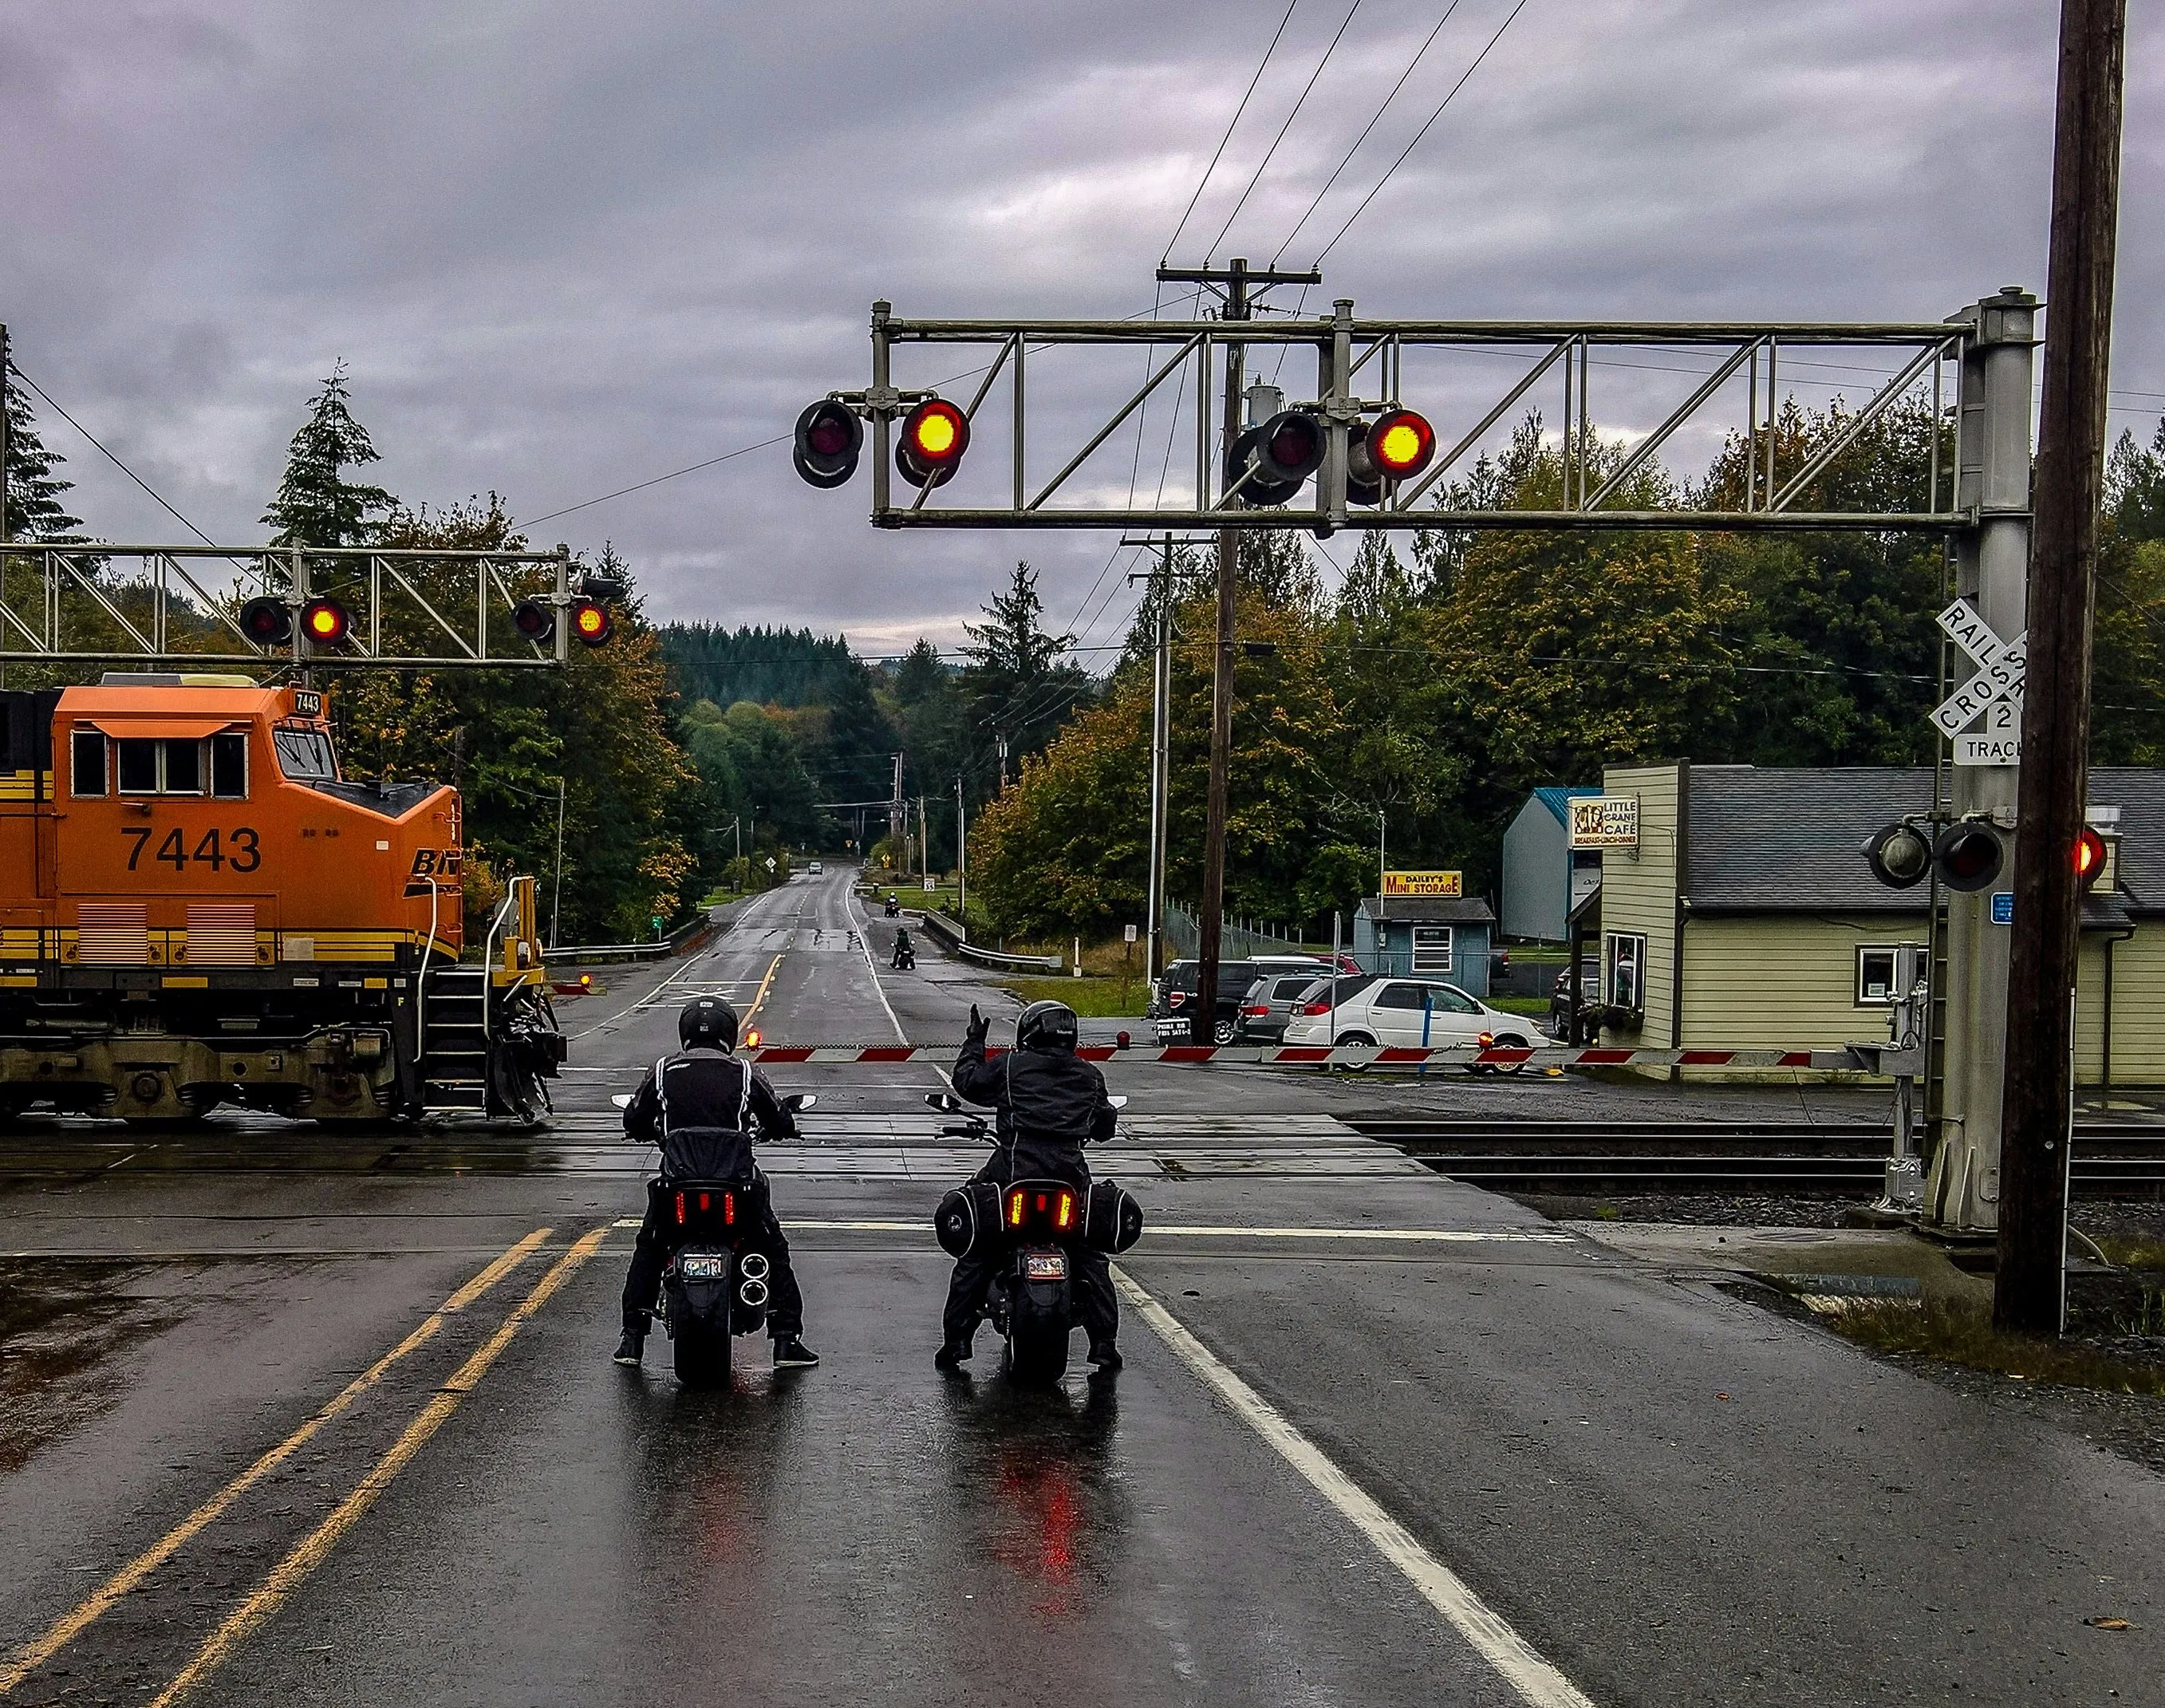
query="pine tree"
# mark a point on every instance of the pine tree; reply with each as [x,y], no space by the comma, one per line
[316,504]
[1016,680]
[33,507]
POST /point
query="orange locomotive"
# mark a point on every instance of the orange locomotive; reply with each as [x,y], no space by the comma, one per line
[195,908]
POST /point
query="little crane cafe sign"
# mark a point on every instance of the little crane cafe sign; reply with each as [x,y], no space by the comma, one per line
[1604,821]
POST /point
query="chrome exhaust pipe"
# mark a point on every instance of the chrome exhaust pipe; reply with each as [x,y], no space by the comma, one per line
[752,1266]
[752,1294]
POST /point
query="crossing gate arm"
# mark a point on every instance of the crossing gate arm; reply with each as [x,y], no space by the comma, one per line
[1873,1059]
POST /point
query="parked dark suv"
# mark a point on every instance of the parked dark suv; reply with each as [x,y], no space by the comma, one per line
[1170,998]
[1589,998]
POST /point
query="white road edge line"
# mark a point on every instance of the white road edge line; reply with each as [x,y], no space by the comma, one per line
[1492,1636]
[865,942]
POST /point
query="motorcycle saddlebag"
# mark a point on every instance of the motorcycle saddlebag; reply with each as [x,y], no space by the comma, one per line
[1112,1220]
[968,1219]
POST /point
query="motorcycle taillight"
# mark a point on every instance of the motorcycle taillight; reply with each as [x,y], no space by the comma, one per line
[679,1210]
[706,1204]
[729,1209]
[1067,1210]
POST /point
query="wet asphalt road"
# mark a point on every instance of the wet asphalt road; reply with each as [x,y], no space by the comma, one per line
[1671,1495]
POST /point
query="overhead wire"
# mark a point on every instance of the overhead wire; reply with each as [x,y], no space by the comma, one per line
[1401,160]
[1203,183]
[98,444]
[1412,64]
[1263,165]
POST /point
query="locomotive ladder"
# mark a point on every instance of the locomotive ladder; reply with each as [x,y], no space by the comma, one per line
[454,1038]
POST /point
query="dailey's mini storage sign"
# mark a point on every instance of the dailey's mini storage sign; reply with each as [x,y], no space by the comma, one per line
[1446,886]
[1604,821]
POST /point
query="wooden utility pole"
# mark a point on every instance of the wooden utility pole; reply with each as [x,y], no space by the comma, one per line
[2038,1096]
[1235,280]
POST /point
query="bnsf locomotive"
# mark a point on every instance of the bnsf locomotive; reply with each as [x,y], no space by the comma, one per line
[196,909]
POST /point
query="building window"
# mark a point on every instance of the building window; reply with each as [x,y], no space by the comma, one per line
[229,766]
[1432,948]
[1624,959]
[1875,976]
[89,766]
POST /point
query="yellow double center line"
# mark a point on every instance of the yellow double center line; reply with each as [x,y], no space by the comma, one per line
[34,1654]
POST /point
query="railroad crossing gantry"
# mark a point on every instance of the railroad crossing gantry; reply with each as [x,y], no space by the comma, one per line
[74,604]
[1976,494]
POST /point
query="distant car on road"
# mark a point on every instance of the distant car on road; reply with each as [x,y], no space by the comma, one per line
[1404,1012]
[815,868]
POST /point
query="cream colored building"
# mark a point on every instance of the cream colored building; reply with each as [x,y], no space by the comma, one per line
[1746,917]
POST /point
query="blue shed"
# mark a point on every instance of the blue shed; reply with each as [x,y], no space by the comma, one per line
[1442,938]
[1543,878]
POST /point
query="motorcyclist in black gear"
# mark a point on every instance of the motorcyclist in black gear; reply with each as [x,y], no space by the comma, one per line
[700,1106]
[905,953]
[1050,1103]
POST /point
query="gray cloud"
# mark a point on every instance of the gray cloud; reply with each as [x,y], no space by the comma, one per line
[565,247]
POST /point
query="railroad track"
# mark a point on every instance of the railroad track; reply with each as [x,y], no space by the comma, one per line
[2111,1159]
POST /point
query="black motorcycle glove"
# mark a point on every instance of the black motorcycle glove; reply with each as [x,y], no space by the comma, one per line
[979,1026]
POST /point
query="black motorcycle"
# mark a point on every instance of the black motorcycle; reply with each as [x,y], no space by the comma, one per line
[893,908]
[905,953]
[714,1287]
[1036,1226]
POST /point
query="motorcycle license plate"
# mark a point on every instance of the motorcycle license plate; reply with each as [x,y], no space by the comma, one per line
[1045,1266]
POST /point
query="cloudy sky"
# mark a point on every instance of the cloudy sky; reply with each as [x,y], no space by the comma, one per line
[564,246]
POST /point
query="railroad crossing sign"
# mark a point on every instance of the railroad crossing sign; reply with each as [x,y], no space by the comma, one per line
[1994,693]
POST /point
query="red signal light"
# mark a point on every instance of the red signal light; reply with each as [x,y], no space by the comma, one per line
[934,434]
[324,622]
[267,622]
[592,623]
[2089,856]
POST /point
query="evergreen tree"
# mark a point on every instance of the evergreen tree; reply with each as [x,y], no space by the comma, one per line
[33,507]
[316,504]
[1018,685]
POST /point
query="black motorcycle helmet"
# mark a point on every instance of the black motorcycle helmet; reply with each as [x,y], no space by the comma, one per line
[1049,1026]
[708,1023]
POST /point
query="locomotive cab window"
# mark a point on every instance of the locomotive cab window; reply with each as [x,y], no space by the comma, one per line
[305,755]
[88,763]
[160,766]
[229,766]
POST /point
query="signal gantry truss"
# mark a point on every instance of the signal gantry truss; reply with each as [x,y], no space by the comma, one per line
[1735,363]
[256,607]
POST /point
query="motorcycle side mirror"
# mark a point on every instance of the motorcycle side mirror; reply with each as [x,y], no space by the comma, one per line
[622,1099]
[1118,1102]
[944,1102]
[800,1100]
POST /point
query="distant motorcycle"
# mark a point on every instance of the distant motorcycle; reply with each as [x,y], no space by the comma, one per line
[712,1286]
[894,907]
[905,953]
[1036,1225]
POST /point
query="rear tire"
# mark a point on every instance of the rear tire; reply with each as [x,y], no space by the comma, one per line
[1222,1032]
[1036,1355]
[701,1354]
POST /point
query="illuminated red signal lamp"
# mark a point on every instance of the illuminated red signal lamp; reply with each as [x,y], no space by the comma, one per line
[267,622]
[324,622]
[934,434]
[1397,446]
[2089,856]
[533,620]
[592,623]
[828,439]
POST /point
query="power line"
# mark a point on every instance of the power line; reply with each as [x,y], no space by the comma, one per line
[108,455]
[621,491]
[1263,165]
[1411,65]
[1204,181]
[1419,135]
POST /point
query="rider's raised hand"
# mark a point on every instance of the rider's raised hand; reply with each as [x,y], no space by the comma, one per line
[979,1025]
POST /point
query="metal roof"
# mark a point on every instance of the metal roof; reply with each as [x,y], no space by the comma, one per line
[1554,797]
[1429,910]
[1791,840]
